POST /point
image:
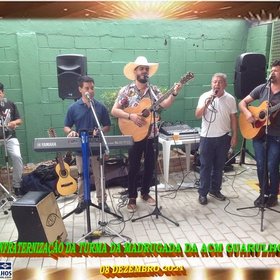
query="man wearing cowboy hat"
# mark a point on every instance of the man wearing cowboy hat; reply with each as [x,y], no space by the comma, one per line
[130,96]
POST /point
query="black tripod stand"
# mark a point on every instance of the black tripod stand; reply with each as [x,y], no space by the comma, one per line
[157,209]
[87,200]
[265,182]
[104,229]
[242,152]
[85,152]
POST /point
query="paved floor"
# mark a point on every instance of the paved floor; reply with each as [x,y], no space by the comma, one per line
[218,222]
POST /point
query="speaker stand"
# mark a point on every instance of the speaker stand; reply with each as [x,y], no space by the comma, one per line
[242,152]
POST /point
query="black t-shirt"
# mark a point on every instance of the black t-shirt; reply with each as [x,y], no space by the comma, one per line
[8,113]
[261,93]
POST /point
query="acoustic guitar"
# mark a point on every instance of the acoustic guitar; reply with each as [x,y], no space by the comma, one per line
[256,129]
[66,184]
[144,109]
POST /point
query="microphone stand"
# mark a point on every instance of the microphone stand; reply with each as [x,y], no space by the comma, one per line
[265,182]
[157,209]
[9,197]
[84,138]
[104,228]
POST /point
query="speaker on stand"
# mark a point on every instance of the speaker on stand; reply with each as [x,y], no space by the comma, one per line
[69,68]
[250,71]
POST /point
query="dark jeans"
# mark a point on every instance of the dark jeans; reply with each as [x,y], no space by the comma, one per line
[273,161]
[213,154]
[135,154]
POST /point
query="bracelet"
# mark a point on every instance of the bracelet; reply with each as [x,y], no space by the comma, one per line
[174,94]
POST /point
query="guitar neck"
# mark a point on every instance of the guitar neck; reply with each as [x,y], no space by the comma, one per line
[188,76]
[163,97]
[60,161]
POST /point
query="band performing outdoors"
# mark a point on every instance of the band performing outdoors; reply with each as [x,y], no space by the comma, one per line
[136,115]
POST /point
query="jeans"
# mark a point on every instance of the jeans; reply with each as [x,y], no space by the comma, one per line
[95,168]
[213,154]
[273,161]
[135,154]
[13,150]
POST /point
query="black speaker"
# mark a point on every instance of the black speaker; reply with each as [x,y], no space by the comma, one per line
[37,218]
[69,68]
[250,71]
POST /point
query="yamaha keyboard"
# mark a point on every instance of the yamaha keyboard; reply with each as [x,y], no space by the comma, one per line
[74,143]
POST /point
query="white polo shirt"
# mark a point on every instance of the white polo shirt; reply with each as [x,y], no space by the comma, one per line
[216,118]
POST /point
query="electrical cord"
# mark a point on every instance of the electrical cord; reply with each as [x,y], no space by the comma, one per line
[174,190]
[212,109]
[235,197]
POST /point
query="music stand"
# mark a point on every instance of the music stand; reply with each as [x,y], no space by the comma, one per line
[9,197]
[265,182]
[157,209]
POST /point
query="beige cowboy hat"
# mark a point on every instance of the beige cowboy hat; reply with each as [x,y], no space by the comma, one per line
[129,68]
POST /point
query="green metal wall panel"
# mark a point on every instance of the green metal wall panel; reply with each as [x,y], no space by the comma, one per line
[31,46]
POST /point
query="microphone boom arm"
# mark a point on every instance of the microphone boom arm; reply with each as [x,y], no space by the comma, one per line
[107,151]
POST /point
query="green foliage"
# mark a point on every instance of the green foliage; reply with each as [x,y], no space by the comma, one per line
[108,98]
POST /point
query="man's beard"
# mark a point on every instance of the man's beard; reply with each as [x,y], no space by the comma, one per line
[141,80]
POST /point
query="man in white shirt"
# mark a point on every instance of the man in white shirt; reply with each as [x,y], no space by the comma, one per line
[218,109]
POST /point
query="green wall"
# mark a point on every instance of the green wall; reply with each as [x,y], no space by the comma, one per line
[28,50]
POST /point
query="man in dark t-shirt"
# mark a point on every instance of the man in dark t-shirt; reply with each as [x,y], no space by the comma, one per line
[267,92]
[9,121]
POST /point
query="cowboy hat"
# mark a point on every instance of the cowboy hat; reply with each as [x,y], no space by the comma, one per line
[129,68]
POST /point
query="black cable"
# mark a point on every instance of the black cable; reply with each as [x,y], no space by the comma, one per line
[213,110]
[229,201]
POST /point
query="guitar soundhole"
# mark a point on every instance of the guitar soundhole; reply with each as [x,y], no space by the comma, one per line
[262,115]
[145,113]
[63,173]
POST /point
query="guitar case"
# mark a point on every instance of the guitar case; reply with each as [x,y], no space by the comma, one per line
[43,178]
[116,174]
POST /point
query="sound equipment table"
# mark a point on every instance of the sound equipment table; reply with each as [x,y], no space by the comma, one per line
[167,142]
[53,144]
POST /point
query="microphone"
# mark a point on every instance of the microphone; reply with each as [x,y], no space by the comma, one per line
[269,77]
[269,80]
[214,95]
[87,95]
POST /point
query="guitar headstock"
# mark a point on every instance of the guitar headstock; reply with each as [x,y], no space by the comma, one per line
[51,132]
[187,77]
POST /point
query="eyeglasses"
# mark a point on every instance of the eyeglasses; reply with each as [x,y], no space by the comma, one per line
[141,68]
